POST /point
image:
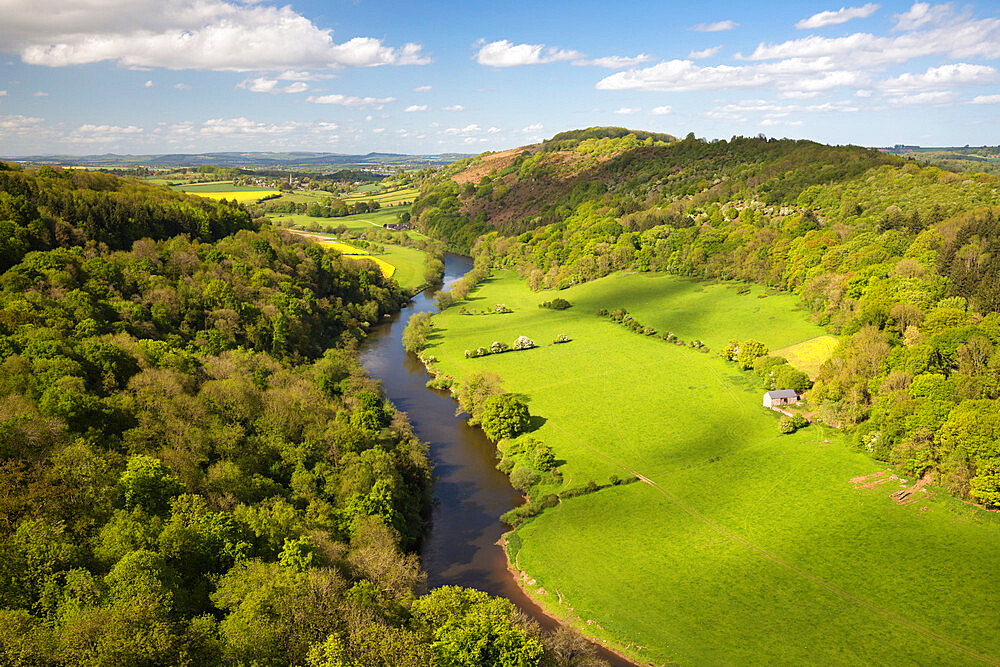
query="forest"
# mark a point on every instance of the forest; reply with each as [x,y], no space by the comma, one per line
[194,467]
[901,260]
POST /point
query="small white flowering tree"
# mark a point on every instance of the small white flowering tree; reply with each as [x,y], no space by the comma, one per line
[523,343]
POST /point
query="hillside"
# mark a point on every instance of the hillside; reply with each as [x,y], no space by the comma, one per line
[194,466]
[900,259]
[739,519]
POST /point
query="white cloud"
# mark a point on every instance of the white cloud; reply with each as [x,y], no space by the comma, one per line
[684,75]
[957,37]
[769,110]
[718,26]
[532,128]
[704,53]
[182,86]
[936,98]
[292,75]
[627,111]
[493,130]
[945,76]
[842,15]
[507,54]
[415,107]
[185,34]
[463,131]
[378,130]
[351,101]
[39,93]
[17,123]
[864,93]
[661,111]
[265,85]
[102,134]
[985,99]
[148,84]
[921,14]
[423,89]
[615,62]
[799,94]
[770,122]
[453,107]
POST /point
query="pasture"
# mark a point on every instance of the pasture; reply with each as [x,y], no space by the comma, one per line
[386,198]
[360,222]
[740,545]
[226,190]
[809,355]
[406,265]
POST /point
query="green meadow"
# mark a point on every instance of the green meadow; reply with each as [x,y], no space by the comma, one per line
[387,198]
[360,222]
[740,545]
[409,263]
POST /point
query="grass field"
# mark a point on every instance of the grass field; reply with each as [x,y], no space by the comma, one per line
[809,355]
[359,223]
[384,198]
[406,265]
[226,190]
[742,546]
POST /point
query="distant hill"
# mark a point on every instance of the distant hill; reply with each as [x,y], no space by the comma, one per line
[244,159]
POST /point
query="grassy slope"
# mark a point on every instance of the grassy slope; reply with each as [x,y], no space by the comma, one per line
[360,222]
[753,547]
[809,355]
[408,263]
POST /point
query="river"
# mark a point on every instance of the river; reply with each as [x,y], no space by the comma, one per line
[470,494]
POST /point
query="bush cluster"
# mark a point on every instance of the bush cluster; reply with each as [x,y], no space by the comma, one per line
[556,304]
[499,347]
[624,318]
[788,425]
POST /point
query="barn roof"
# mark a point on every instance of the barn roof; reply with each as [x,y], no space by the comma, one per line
[782,393]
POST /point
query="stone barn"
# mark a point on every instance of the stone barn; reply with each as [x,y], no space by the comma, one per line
[780,397]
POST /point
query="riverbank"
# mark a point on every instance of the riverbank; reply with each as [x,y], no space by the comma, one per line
[741,544]
[462,545]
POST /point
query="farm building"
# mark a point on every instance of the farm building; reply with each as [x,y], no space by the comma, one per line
[780,397]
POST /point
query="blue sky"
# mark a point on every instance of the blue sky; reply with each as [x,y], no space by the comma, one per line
[148,76]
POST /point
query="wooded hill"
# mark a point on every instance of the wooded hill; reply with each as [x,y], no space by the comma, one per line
[901,259]
[194,467]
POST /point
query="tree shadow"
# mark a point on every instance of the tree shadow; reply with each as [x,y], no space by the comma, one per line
[535,422]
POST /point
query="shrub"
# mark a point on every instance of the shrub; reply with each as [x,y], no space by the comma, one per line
[749,351]
[506,465]
[523,343]
[497,347]
[523,478]
[557,304]
[561,338]
[504,416]
[440,382]
[544,459]
[649,331]
[502,308]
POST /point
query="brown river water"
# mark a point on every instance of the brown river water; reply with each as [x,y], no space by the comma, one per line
[460,547]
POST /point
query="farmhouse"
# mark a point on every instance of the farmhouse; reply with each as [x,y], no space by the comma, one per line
[780,397]
[396,226]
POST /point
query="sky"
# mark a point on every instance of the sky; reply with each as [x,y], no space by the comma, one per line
[158,76]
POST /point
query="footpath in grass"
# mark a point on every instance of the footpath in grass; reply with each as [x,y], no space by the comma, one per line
[741,545]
